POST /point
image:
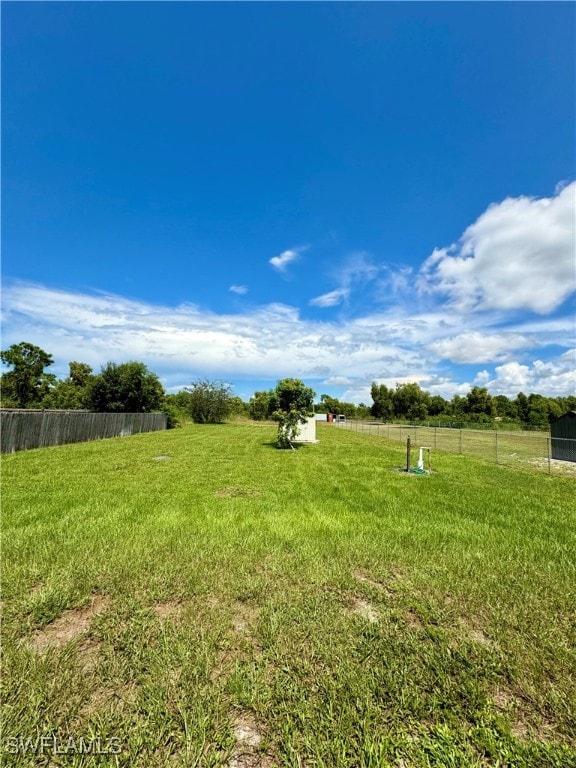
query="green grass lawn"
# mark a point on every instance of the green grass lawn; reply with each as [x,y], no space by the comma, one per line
[235,605]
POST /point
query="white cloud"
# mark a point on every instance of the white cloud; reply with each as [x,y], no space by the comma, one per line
[330,299]
[476,347]
[337,381]
[555,378]
[286,257]
[239,289]
[272,341]
[481,379]
[519,254]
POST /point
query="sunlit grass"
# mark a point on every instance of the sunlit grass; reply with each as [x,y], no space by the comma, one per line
[355,615]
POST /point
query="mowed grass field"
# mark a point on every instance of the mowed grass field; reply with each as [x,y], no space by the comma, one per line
[523,450]
[234,605]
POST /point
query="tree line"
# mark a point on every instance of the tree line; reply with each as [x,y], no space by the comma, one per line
[411,403]
[131,388]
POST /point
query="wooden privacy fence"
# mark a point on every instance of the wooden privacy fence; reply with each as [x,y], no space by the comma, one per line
[23,429]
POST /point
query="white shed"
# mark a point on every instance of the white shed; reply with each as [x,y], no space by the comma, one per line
[307,432]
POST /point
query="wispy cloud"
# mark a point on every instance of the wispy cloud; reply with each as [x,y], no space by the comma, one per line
[272,341]
[330,299]
[286,257]
[518,255]
[356,271]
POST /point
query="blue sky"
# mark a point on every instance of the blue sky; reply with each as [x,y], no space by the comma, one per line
[340,192]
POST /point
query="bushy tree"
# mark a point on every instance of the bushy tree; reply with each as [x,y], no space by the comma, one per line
[73,392]
[237,406]
[262,405]
[295,402]
[478,401]
[523,407]
[410,401]
[382,402]
[505,408]
[126,388]
[329,404]
[437,405]
[27,383]
[209,401]
[363,411]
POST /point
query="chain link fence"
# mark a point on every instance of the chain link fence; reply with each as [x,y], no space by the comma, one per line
[527,450]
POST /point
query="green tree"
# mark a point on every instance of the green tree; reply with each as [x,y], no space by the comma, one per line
[209,401]
[71,393]
[382,402]
[457,406]
[295,402]
[27,383]
[410,401]
[262,405]
[177,409]
[237,406]
[362,411]
[126,388]
[479,401]
[542,410]
[437,405]
[329,404]
[505,408]
[523,407]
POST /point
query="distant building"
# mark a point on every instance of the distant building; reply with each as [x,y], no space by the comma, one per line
[563,436]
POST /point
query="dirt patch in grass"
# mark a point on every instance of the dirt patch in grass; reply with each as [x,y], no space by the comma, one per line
[413,620]
[365,609]
[364,579]
[241,645]
[101,698]
[67,627]
[249,736]
[245,616]
[236,490]
[35,589]
[557,466]
[167,610]
[478,636]
[88,652]
[525,722]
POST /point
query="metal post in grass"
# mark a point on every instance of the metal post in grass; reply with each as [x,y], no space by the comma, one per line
[460,439]
[408,448]
[496,443]
[548,441]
